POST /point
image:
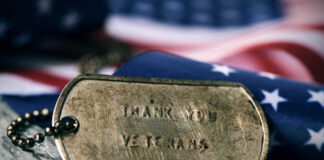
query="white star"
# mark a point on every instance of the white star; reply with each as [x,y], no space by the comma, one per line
[316,97]
[273,142]
[70,20]
[222,69]
[317,138]
[268,75]
[273,98]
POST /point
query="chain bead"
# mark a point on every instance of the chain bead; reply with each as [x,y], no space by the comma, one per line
[14,140]
[28,116]
[57,128]
[39,137]
[14,123]
[69,124]
[49,130]
[36,113]
[11,133]
[46,112]
[22,142]
[10,127]
[20,120]
[30,142]
[57,125]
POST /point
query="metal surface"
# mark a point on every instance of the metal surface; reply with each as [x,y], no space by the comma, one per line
[139,118]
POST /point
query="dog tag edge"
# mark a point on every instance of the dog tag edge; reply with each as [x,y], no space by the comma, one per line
[72,83]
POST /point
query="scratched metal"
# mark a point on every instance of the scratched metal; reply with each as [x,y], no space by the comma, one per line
[137,118]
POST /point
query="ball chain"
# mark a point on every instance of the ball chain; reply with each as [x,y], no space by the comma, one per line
[65,125]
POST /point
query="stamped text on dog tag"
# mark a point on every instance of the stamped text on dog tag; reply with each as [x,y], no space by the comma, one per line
[140,118]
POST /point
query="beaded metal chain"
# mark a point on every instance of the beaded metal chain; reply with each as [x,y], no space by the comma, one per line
[64,126]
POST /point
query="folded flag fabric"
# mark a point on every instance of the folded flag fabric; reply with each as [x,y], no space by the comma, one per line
[294,110]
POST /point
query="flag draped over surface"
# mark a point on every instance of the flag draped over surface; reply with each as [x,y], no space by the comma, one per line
[294,110]
[271,39]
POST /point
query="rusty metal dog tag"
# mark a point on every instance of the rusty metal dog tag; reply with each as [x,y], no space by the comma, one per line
[137,118]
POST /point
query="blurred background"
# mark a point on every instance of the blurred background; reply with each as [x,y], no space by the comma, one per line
[43,42]
[283,37]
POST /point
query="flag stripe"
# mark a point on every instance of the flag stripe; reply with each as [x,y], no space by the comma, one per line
[309,57]
[43,77]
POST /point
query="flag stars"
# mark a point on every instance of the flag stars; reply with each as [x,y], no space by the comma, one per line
[267,75]
[316,138]
[223,69]
[272,98]
[70,20]
[316,97]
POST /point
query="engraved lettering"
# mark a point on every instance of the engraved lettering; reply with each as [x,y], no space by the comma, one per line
[126,139]
[199,116]
[212,116]
[168,112]
[125,110]
[135,111]
[134,142]
[203,145]
[171,142]
[177,143]
[146,112]
[192,144]
[157,112]
[190,113]
[180,144]
[157,140]
[148,141]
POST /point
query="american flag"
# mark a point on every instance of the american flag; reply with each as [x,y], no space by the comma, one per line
[275,48]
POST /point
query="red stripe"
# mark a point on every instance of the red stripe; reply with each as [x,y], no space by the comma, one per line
[309,57]
[42,77]
[315,27]
[270,61]
[266,64]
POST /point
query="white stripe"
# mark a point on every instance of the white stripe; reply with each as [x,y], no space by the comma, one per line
[150,32]
[68,70]
[309,38]
[11,84]
[109,70]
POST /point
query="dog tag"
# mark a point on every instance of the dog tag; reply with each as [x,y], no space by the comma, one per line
[125,118]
